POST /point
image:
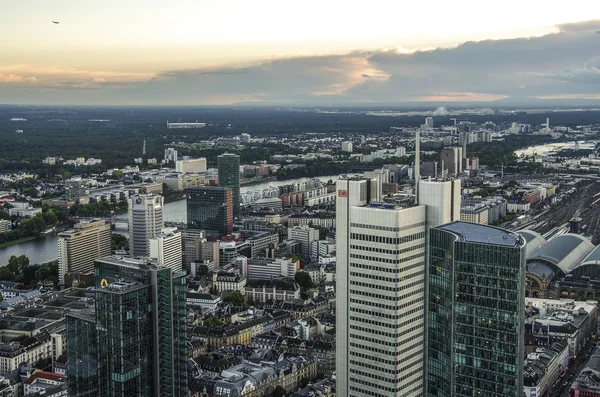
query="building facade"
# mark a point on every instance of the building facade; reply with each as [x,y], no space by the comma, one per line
[476,300]
[80,247]
[145,222]
[380,294]
[229,176]
[211,209]
[135,342]
[165,249]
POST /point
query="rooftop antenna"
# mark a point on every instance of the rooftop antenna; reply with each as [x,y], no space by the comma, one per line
[417,164]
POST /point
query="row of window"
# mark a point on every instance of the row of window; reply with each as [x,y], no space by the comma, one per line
[385,251]
[398,279]
[388,325]
[418,345]
[387,228]
[395,289]
[378,386]
[395,362]
[387,240]
[388,297]
[387,269]
[383,306]
[387,260]
[390,316]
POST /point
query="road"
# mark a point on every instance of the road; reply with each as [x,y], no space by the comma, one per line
[574,369]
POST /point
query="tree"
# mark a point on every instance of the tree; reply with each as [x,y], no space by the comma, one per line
[236,299]
[202,271]
[279,391]
[116,174]
[303,280]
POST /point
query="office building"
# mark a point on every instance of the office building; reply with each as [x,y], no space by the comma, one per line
[133,344]
[347,147]
[210,208]
[442,199]
[245,138]
[145,222]
[476,291]
[165,249]
[474,214]
[74,190]
[451,160]
[192,165]
[380,292]
[229,177]
[170,155]
[79,247]
[429,122]
[270,268]
[305,235]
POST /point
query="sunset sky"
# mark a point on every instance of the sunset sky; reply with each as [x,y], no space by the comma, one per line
[226,51]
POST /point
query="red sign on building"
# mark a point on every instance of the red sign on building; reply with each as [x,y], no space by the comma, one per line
[342,193]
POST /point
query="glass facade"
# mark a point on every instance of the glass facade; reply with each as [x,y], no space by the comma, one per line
[229,176]
[475,312]
[124,341]
[82,363]
[137,334]
[210,209]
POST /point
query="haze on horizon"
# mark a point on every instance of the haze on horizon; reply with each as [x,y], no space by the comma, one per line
[313,52]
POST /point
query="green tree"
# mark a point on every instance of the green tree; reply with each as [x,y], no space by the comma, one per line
[236,299]
[303,280]
[202,271]
[279,391]
[116,174]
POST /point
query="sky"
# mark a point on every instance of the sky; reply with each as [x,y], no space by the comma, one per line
[322,52]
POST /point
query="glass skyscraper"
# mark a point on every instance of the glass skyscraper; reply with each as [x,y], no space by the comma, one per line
[476,292]
[211,209]
[138,337]
[229,176]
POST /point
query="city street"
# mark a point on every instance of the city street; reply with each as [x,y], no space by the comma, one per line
[574,369]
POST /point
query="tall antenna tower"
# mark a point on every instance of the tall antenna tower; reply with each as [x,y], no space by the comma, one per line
[144,148]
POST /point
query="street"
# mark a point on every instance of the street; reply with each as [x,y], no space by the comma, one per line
[575,368]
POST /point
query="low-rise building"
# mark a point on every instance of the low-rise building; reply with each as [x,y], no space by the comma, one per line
[42,382]
[5,225]
[224,281]
[552,320]
[268,290]
[267,268]
[30,350]
[543,369]
[587,382]
[315,220]
[207,302]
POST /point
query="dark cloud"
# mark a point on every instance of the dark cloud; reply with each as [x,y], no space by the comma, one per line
[562,63]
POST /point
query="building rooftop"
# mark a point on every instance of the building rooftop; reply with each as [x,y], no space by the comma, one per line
[564,252]
[485,234]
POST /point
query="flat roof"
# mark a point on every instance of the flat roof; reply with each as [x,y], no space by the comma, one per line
[485,234]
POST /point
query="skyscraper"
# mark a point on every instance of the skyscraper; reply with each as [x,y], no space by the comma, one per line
[229,176]
[476,293]
[165,249]
[80,247]
[380,294]
[134,343]
[442,199]
[145,222]
[211,209]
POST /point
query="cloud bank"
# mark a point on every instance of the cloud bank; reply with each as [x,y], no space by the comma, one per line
[565,64]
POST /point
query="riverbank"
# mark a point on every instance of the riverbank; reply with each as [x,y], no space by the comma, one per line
[18,241]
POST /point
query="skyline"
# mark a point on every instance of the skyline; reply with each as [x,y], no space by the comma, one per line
[230,52]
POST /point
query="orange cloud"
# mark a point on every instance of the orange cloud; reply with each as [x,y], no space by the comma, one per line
[15,78]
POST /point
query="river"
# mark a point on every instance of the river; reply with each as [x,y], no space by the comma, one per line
[44,249]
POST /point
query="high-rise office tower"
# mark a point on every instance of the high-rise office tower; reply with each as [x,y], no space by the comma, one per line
[380,294]
[79,247]
[476,290]
[133,344]
[429,122]
[145,222]
[165,249]
[442,199]
[452,160]
[211,209]
[229,176]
